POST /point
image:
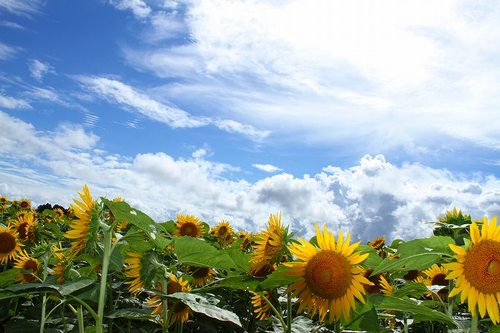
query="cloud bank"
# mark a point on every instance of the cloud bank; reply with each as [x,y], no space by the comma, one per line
[372,198]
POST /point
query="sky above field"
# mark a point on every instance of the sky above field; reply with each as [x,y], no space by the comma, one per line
[369,116]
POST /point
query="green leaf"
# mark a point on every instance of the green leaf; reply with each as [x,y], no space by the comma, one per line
[168,226]
[419,311]
[200,304]
[123,212]
[30,287]
[373,259]
[278,278]
[70,287]
[426,245]
[369,321]
[8,277]
[131,313]
[197,252]
[240,282]
[240,259]
[417,261]
[410,289]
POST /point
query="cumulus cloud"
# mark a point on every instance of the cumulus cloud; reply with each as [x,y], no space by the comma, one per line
[13,103]
[267,167]
[372,198]
[397,72]
[118,92]
[39,69]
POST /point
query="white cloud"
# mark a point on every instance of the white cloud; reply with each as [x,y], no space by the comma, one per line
[121,93]
[138,7]
[13,103]
[22,8]
[372,198]
[39,69]
[267,167]
[390,74]
[6,51]
[12,25]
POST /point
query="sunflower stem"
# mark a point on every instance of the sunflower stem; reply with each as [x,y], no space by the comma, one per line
[164,285]
[81,324]
[405,322]
[44,308]
[277,313]
[104,275]
[289,312]
[474,323]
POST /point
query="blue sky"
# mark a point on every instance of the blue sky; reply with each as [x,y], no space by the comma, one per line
[373,117]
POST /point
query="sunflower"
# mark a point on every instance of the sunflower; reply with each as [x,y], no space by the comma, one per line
[262,309]
[27,264]
[477,270]
[24,203]
[329,276]
[133,270]
[224,233]
[180,311]
[62,262]
[375,287]
[201,275]
[188,225]
[377,243]
[59,212]
[3,201]
[80,228]
[268,244]
[25,225]
[9,244]
[385,287]
[247,238]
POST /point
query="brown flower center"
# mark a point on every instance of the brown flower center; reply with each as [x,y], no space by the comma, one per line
[222,230]
[23,230]
[482,266]
[439,280]
[200,272]
[173,287]
[411,275]
[24,204]
[328,275]
[7,242]
[188,229]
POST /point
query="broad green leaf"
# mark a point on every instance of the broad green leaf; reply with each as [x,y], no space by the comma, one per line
[30,287]
[426,245]
[168,226]
[420,312]
[70,287]
[197,252]
[278,278]
[123,212]
[369,321]
[373,259]
[240,282]
[410,289]
[200,304]
[131,313]
[417,261]
[240,259]
[8,277]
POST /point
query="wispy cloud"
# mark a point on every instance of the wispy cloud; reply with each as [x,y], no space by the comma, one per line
[267,167]
[13,103]
[11,25]
[388,75]
[7,51]
[118,92]
[22,8]
[138,7]
[39,69]
[372,198]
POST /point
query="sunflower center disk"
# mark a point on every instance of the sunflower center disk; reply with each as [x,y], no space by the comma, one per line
[482,266]
[31,264]
[328,275]
[439,280]
[7,242]
[188,229]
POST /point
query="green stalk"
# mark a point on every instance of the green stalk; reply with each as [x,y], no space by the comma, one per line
[164,300]
[104,275]
[81,324]
[44,308]
[405,322]
[289,312]
[277,313]
[474,323]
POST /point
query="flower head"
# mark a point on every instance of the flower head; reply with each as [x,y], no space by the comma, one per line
[268,244]
[180,311]
[188,225]
[330,278]
[24,204]
[29,267]
[224,233]
[201,275]
[9,244]
[133,270]
[81,229]
[477,270]
[25,225]
[262,309]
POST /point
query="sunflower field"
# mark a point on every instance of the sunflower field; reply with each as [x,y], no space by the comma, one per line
[104,266]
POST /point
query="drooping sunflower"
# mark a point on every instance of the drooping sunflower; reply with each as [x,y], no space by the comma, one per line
[330,277]
[62,262]
[188,225]
[28,265]
[25,225]
[477,270]
[247,238]
[201,275]
[262,309]
[224,233]
[81,229]
[9,244]
[377,243]
[375,287]
[133,270]
[268,244]
[180,311]
[24,204]
[385,287]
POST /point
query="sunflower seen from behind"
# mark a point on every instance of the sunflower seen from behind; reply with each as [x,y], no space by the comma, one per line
[329,276]
[261,307]
[28,267]
[188,225]
[268,244]
[82,228]
[133,270]
[10,244]
[477,270]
